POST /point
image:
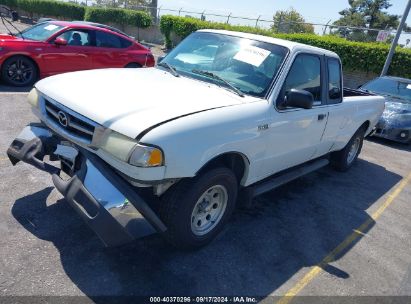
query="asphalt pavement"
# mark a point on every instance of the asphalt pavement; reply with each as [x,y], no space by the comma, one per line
[46,249]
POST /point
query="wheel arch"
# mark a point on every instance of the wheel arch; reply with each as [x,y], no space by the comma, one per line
[366,125]
[138,65]
[36,64]
[236,161]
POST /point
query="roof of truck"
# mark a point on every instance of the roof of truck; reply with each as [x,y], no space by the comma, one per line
[286,43]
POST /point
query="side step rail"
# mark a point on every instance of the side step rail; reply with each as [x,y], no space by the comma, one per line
[280,180]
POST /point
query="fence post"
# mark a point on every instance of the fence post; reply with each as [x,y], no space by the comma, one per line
[325,28]
[256,22]
[395,41]
[158,13]
[228,18]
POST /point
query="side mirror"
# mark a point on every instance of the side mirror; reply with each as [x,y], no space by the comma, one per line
[60,41]
[299,99]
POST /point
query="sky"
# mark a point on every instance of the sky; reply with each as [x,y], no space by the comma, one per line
[318,11]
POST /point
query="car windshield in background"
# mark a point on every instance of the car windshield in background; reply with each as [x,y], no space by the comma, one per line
[390,87]
[40,32]
[245,64]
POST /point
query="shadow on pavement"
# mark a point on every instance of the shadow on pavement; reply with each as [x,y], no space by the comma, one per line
[290,228]
[10,89]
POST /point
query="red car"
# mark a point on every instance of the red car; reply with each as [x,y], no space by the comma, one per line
[54,47]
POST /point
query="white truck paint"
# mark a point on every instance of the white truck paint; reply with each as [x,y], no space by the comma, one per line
[194,121]
[130,101]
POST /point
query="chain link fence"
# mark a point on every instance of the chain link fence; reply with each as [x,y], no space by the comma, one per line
[346,31]
[283,26]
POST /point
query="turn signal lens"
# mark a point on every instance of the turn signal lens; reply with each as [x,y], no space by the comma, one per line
[156,158]
[144,156]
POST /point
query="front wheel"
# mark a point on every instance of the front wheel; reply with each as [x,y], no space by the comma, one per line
[19,71]
[344,159]
[195,210]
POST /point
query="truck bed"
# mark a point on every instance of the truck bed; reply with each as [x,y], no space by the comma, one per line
[348,92]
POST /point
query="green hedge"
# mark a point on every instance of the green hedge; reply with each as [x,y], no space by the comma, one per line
[48,8]
[119,16]
[73,11]
[183,26]
[360,56]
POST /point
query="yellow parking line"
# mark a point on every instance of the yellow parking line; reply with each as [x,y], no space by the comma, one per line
[360,231]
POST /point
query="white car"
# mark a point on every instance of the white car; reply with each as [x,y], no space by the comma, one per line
[173,148]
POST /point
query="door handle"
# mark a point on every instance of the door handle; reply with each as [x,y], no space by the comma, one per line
[321,116]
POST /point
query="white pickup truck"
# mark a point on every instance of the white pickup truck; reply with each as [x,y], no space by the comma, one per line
[223,117]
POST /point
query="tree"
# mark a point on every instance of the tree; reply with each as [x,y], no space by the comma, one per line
[366,14]
[290,21]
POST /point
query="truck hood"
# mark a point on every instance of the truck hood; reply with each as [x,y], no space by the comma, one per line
[130,101]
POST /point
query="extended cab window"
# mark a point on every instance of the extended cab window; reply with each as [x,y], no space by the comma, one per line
[305,74]
[334,81]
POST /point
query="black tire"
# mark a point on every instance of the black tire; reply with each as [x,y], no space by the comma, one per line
[19,71]
[133,65]
[344,159]
[178,204]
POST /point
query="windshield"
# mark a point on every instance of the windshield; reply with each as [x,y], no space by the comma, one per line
[390,87]
[245,64]
[40,32]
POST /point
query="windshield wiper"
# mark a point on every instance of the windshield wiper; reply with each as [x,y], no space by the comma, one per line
[170,67]
[216,77]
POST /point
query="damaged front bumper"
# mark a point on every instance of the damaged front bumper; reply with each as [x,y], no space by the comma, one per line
[105,201]
[393,132]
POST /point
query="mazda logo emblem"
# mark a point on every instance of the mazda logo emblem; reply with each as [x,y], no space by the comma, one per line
[62,117]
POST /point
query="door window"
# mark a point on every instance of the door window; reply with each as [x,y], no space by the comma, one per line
[305,74]
[76,38]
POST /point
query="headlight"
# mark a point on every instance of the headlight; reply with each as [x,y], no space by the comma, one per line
[128,150]
[33,98]
[118,145]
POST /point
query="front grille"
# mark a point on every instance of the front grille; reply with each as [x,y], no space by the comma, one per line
[74,125]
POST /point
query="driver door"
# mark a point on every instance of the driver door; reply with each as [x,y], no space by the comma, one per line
[293,134]
[74,56]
